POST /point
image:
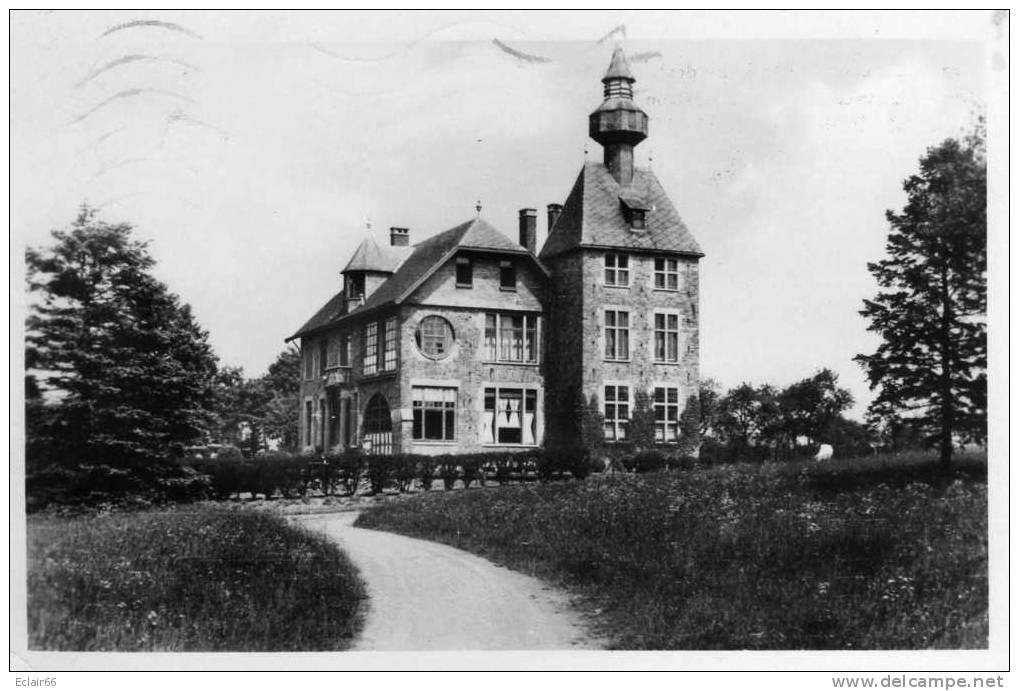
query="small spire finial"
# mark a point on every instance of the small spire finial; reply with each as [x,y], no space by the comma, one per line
[477,207]
[368,223]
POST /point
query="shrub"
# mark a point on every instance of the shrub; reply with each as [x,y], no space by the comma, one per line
[380,471]
[503,467]
[681,462]
[545,465]
[349,469]
[647,462]
[449,471]
[405,471]
[229,453]
[577,461]
[426,472]
[271,472]
[191,485]
[471,465]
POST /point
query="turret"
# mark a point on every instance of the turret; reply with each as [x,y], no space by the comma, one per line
[618,124]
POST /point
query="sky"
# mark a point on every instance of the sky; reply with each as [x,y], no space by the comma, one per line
[252,150]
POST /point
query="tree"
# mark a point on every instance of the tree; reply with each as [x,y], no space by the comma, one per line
[931,308]
[281,391]
[813,406]
[250,412]
[708,394]
[125,367]
[747,416]
[640,430]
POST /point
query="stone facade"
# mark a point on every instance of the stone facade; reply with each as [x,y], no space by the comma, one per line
[335,397]
[512,357]
[580,299]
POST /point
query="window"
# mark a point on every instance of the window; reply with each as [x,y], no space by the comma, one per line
[666,404]
[307,423]
[322,422]
[309,364]
[371,348]
[380,341]
[666,337]
[666,274]
[617,411]
[617,270]
[511,416]
[464,272]
[355,285]
[511,337]
[637,219]
[376,415]
[323,355]
[389,357]
[434,413]
[507,275]
[333,353]
[434,337]
[617,335]
[345,350]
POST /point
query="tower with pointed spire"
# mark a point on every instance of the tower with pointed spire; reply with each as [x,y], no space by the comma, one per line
[618,124]
[623,288]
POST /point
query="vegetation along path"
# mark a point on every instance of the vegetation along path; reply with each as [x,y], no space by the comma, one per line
[428,596]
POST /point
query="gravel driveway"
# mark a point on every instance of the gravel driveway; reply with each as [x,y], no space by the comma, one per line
[428,596]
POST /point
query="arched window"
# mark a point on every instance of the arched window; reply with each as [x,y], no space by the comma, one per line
[377,417]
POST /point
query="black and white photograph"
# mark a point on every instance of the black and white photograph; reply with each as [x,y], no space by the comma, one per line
[510,340]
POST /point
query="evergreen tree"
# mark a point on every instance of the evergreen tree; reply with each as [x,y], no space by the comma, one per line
[931,307]
[641,429]
[125,369]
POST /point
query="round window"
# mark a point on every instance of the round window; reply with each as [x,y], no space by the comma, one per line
[434,337]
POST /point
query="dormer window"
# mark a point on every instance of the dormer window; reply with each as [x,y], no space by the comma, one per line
[507,275]
[635,208]
[355,285]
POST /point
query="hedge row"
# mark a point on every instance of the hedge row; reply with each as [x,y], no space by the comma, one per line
[279,472]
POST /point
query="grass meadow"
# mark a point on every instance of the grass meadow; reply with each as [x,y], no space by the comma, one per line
[196,578]
[871,553]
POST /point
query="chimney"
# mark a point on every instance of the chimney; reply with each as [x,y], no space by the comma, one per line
[399,237]
[529,229]
[553,215]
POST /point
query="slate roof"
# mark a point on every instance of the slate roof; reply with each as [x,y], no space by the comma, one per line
[424,259]
[369,256]
[593,216]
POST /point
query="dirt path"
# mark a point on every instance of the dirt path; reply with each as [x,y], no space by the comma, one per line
[428,596]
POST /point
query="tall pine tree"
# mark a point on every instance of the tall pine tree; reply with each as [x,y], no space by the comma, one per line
[124,369]
[932,303]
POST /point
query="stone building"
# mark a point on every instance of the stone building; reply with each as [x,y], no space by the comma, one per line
[470,341]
